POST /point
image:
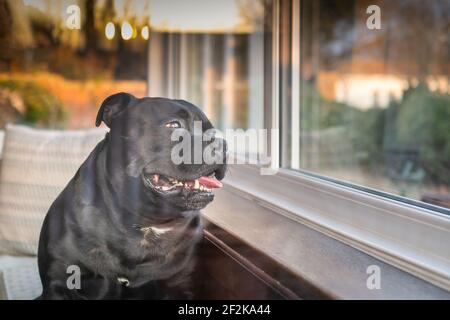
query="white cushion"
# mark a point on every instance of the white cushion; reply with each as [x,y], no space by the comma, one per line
[36,166]
[19,278]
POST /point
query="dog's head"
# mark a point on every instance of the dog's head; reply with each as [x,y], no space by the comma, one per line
[139,162]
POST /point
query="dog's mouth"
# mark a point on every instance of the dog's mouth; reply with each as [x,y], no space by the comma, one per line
[171,185]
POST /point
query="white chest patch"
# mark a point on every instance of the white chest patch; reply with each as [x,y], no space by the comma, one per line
[160,231]
[152,234]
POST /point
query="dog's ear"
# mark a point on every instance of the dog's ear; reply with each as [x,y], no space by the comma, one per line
[112,106]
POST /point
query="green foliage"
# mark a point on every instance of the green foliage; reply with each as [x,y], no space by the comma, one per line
[319,113]
[367,135]
[423,124]
[41,106]
[417,124]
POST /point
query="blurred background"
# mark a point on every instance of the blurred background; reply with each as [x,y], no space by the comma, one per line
[57,76]
[372,107]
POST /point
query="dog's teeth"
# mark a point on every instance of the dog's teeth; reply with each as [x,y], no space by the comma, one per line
[196,184]
[156,178]
[165,188]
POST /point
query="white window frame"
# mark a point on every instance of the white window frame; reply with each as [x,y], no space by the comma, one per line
[413,238]
[409,237]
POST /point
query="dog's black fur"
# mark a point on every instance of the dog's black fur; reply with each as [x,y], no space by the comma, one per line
[129,240]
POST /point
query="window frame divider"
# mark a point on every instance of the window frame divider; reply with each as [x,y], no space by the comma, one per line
[295,95]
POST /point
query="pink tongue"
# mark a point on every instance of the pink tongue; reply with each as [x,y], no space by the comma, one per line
[209,182]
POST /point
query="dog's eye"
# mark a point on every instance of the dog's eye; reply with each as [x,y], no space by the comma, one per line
[173,124]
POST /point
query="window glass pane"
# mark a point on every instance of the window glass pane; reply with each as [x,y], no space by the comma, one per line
[375,103]
[216,63]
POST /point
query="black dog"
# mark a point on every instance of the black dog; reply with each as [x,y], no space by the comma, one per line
[129,219]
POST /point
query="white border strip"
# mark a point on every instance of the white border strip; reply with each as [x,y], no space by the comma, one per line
[275,114]
[295,109]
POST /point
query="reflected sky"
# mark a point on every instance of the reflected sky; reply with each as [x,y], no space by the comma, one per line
[192,15]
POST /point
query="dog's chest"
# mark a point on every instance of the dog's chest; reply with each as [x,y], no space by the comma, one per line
[162,251]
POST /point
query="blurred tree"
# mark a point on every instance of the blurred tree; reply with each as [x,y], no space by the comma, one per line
[15,32]
[89,27]
[41,107]
[252,13]
[423,124]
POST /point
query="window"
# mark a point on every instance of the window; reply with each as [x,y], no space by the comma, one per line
[346,167]
[371,107]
